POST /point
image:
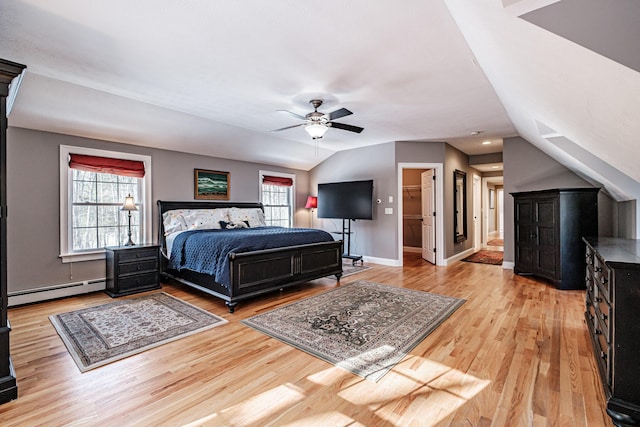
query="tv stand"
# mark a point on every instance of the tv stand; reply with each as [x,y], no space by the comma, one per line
[346,233]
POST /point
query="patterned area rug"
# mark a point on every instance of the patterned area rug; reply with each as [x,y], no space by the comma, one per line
[495,242]
[364,327]
[99,335]
[486,257]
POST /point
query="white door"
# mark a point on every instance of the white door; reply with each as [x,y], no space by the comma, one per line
[428,216]
[477,213]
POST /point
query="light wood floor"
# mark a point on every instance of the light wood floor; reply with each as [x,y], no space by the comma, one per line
[516,353]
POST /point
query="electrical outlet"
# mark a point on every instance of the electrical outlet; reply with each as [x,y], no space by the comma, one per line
[388,211]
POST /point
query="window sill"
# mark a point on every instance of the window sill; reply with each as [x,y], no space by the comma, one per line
[84,256]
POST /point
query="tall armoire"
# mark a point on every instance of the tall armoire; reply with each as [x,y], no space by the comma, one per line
[549,227]
[8,387]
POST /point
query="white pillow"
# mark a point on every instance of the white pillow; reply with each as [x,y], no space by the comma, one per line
[206,218]
[173,221]
[254,216]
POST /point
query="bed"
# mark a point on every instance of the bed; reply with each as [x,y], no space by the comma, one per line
[243,272]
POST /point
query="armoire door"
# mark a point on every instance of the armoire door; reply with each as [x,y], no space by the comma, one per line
[524,236]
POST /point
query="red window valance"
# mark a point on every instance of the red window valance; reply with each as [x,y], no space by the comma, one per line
[133,168]
[277,180]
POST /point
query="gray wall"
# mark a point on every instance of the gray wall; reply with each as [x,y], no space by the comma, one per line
[379,238]
[526,169]
[33,193]
[373,238]
[457,160]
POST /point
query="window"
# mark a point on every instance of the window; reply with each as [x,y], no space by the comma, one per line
[276,194]
[91,198]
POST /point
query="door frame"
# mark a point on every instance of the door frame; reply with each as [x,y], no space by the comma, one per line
[438,206]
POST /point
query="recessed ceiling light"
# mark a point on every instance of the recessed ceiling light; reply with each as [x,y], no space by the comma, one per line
[495,167]
[486,142]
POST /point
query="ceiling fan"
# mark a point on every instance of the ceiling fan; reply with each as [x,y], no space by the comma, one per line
[316,123]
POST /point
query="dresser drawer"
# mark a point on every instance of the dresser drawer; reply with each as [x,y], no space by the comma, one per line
[603,355]
[135,255]
[603,314]
[139,281]
[601,277]
[137,267]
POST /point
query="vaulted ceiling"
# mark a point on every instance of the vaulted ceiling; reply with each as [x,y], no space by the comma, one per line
[208,77]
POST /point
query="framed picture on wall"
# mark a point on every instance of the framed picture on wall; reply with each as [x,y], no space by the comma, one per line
[211,185]
[492,198]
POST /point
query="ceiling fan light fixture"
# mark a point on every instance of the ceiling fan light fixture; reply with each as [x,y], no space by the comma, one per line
[316,130]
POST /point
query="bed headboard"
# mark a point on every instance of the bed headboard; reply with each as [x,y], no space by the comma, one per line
[164,206]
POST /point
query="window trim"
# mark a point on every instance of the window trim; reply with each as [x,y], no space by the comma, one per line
[292,211]
[65,189]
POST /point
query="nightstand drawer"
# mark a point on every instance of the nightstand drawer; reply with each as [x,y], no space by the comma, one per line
[138,254]
[139,281]
[137,267]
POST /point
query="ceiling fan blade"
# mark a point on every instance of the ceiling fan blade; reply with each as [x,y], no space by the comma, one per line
[298,116]
[288,127]
[350,128]
[339,113]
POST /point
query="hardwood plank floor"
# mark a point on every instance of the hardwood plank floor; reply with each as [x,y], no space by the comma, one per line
[516,353]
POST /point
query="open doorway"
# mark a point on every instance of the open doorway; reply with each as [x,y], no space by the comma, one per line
[411,211]
[493,212]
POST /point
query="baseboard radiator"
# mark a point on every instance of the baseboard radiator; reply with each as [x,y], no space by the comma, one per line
[54,292]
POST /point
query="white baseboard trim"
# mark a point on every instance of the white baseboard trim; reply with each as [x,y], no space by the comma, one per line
[54,292]
[459,256]
[383,261]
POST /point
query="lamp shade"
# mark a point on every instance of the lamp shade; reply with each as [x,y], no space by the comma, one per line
[316,130]
[312,202]
[129,204]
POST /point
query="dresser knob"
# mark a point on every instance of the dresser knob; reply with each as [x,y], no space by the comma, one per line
[603,316]
[603,355]
[597,332]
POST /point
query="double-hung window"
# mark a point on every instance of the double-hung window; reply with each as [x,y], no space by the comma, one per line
[277,195]
[93,187]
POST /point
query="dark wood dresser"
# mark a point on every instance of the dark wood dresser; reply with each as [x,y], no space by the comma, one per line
[132,269]
[549,226]
[8,386]
[613,318]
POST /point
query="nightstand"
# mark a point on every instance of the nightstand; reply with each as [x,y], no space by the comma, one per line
[132,269]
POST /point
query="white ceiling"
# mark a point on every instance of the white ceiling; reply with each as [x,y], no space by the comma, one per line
[208,77]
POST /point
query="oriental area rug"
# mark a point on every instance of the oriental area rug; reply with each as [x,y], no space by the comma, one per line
[485,256]
[364,327]
[103,334]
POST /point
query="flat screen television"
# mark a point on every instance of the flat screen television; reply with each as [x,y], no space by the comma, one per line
[346,200]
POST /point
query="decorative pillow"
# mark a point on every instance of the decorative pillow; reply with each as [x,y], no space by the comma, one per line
[205,218]
[173,221]
[231,225]
[253,216]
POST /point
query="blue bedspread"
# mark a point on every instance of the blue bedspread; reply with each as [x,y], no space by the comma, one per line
[207,251]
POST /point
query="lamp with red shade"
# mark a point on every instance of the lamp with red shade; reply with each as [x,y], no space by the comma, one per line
[312,203]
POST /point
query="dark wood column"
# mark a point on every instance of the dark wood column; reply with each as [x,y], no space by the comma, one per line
[8,387]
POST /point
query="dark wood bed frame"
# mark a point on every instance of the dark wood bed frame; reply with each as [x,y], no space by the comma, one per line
[257,272]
